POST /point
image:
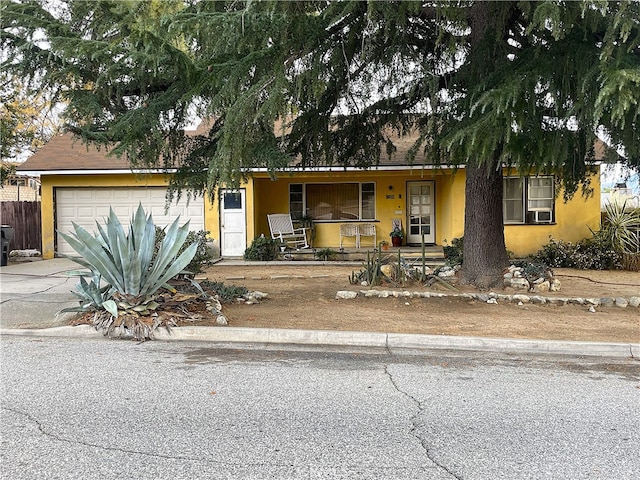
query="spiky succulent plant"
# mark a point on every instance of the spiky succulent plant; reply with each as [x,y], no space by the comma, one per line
[126,264]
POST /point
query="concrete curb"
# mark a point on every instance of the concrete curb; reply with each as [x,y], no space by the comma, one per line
[508,345]
[393,342]
[81,331]
[274,336]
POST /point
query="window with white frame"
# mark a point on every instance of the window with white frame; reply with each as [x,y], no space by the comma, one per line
[513,200]
[528,200]
[333,201]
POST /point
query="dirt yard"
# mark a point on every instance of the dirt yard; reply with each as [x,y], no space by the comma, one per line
[303,297]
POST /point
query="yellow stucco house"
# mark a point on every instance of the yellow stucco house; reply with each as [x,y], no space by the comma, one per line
[80,184]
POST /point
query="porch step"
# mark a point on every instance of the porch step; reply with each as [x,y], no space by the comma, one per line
[434,255]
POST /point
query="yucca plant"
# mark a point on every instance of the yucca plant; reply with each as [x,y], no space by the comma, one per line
[125,261]
[621,227]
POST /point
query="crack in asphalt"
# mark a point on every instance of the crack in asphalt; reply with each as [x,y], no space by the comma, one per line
[414,422]
[41,428]
[43,431]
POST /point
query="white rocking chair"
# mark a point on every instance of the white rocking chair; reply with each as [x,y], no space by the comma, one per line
[281,227]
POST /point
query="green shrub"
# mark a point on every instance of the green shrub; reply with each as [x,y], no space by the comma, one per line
[203,256]
[556,254]
[597,253]
[594,253]
[226,293]
[262,249]
[604,250]
[453,252]
[326,254]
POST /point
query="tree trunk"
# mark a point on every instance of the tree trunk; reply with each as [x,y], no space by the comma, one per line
[484,250]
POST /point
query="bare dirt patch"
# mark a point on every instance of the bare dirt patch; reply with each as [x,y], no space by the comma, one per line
[303,297]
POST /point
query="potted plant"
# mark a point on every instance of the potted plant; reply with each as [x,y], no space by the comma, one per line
[396,237]
[384,245]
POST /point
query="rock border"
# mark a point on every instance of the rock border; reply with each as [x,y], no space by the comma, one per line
[494,298]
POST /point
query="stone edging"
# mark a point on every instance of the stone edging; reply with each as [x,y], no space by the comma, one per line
[492,297]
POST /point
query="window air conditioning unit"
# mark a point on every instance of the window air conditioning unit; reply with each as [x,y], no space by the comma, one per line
[542,216]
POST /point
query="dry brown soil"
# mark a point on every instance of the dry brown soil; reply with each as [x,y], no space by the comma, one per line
[303,297]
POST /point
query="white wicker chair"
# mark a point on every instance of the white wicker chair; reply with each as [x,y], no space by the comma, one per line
[367,230]
[349,230]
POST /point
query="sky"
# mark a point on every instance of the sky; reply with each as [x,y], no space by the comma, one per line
[613,174]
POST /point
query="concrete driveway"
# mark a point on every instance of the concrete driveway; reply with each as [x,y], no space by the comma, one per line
[32,293]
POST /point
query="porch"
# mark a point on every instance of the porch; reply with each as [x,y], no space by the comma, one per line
[433,254]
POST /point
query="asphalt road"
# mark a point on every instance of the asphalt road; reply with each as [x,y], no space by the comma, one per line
[104,409]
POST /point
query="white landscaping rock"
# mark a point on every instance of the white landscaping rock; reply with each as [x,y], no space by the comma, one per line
[543,286]
[622,302]
[558,301]
[346,295]
[517,283]
[447,272]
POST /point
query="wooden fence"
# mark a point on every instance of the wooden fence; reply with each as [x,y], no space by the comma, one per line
[25,219]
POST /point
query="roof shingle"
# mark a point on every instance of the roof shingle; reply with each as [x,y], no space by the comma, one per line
[67,153]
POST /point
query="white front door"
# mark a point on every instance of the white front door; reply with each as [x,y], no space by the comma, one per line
[420,211]
[233,223]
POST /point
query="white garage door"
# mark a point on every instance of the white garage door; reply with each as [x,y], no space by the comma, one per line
[85,206]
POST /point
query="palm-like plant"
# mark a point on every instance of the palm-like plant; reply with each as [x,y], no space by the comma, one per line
[621,230]
[621,227]
[125,261]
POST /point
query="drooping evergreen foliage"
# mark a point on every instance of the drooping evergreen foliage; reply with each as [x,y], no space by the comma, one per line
[518,83]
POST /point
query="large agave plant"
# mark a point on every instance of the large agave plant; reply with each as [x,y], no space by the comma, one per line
[125,261]
[93,296]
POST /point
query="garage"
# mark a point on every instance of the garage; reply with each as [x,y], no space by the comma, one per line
[85,206]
